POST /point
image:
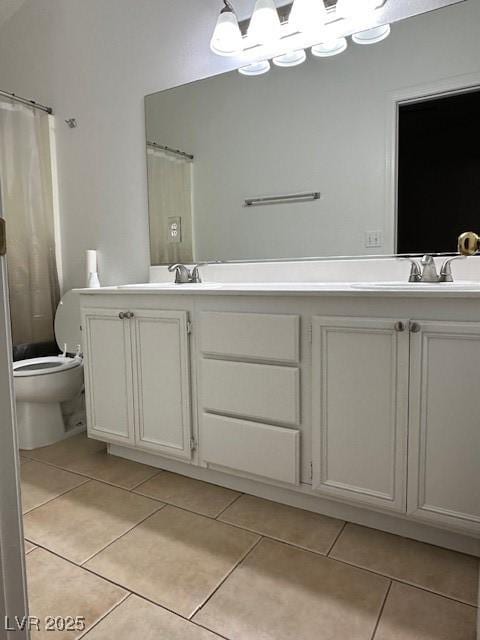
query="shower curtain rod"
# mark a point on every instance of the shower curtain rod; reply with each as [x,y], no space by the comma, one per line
[30,103]
[177,152]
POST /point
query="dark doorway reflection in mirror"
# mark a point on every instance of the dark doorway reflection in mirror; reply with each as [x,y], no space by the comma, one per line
[438,172]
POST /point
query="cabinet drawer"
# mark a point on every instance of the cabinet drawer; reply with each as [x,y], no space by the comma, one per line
[257,391]
[250,447]
[253,336]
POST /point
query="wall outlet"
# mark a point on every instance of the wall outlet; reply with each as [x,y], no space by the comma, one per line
[373,239]
[174,230]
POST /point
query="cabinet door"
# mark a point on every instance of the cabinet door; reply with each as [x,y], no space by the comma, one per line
[108,376]
[162,382]
[444,456]
[360,410]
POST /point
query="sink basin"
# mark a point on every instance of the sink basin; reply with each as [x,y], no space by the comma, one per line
[418,286]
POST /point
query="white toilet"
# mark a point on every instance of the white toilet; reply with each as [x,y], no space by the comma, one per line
[43,384]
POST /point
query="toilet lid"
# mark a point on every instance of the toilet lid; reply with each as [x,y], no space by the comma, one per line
[68,322]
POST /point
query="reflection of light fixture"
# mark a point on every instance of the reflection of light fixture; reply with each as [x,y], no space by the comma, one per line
[307,15]
[290,59]
[372,36]
[265,26]
[255,69]
[332,48]
[227,38]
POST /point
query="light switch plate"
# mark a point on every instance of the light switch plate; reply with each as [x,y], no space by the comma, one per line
[373,239]
[174,230]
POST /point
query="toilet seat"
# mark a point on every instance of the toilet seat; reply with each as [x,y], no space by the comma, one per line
[68,337]
[46,365]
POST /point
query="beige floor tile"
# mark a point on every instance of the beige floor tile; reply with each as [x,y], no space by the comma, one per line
[201,497]
[41,483]
[123,473]
[412,614]
[58,588]
[302,528]
[63,453]
[29,547]
[87,519]
[137,618]
[280,593]
[174,558]
[448,573]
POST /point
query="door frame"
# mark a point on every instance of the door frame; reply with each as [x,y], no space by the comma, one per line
[13,590]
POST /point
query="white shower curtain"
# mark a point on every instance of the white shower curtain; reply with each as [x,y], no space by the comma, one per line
[27,206]
[169,195]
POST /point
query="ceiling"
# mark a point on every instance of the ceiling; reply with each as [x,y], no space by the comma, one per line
[8,8]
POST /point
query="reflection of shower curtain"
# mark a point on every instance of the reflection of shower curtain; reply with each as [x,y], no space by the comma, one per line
[27,206]
[170,196]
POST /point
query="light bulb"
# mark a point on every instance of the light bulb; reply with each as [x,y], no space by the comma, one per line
[290,59]
[307,15]
[227,38]
[330,48]
[372,36]
[356,8]
[265,26]
[255,69]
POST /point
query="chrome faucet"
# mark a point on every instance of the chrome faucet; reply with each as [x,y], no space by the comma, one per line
[426,271]
[183,275]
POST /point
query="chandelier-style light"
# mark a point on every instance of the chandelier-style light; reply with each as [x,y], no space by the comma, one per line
[308,16]
[265,27]
[227,38]
[310,25]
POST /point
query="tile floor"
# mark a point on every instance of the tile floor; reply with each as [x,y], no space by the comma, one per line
[143,553]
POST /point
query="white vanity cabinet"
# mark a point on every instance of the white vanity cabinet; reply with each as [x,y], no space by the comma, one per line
[249,401]
[137,378]
[444,443]
[360,409]
[395,416]
[354,407]
[107,346]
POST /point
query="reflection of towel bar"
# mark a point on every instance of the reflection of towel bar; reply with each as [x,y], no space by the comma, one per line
[294,197]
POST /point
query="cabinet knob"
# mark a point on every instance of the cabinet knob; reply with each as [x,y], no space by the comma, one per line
[415,327]
[399,326]
[129,315]
[121,315]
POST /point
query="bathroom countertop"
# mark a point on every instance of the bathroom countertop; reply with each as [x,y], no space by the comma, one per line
[460,289]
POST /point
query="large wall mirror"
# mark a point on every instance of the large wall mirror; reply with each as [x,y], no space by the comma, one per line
[380,145]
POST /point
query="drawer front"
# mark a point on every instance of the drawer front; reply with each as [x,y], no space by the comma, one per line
[256,391]
[250,447]
[253,336]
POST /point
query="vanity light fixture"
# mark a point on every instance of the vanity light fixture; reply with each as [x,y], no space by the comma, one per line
[282,35]
[255,69]
[290,59]
[361,9]
[372,36]
[308,16]
[265,27]
[331,48]
[227,38]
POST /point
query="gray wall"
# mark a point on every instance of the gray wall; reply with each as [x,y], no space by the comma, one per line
[321,126]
